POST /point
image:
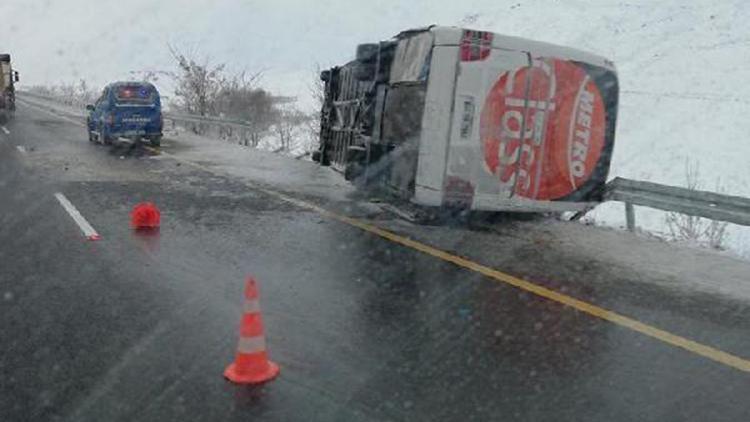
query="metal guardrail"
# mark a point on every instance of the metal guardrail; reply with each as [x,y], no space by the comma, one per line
[192,118]
[176,117]
[711,205]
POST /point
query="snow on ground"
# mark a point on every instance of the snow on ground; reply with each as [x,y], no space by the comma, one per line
[683,74]
[252,164]
[679,267]
[683,79]
[682,65]
[683,68]
[258,166]
[261,166]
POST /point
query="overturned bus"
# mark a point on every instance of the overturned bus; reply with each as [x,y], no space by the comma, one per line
[452,117]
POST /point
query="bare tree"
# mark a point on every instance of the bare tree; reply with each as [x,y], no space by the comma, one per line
[205,89]
[289,121]
[198,82]
[692,228]
[240,100]
[716,232]
[682,226]
[153,75]
[85,94]
[316,88]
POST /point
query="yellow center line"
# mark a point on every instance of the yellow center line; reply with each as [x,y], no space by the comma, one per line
[596,311]
[708,352]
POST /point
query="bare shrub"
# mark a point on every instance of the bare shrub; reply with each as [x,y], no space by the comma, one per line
[239,99]
[291,121]
[198,82]
[311,124]
[77,95]
[262,120]
[685,227]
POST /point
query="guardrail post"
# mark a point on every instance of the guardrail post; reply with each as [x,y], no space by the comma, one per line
[630,216]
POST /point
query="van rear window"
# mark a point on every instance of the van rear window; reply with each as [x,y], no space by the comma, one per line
[136,94]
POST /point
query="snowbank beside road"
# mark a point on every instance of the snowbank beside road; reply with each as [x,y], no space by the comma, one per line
[683,78]
[256,165]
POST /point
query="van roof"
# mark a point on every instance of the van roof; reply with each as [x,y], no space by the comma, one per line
[122,83]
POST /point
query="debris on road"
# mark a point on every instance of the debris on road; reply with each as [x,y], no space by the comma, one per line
[145,216]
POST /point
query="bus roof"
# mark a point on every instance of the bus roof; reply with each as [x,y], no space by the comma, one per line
[451,35]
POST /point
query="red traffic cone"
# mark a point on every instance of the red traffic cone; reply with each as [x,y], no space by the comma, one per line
[251,364]
[145,216]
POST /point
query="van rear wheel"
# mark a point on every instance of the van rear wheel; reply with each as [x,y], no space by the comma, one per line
[155,141]
[103,138]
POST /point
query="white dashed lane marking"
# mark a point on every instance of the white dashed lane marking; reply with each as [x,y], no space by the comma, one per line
[86,228]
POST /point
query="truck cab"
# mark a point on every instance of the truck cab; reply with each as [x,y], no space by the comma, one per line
[8,78]
[126,110]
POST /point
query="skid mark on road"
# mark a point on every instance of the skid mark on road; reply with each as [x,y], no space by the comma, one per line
[663,336]
[84,225]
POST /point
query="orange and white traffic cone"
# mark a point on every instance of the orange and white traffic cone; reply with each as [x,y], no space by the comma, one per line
[251,364]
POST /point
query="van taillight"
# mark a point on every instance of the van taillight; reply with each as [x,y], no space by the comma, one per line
[475,45]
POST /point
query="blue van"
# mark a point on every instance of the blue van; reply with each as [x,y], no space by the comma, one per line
[126,109]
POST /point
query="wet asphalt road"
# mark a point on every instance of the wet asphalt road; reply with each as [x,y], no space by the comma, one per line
[141,326]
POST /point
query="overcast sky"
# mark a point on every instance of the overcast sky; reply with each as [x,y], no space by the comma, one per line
[63,41]
[104,40]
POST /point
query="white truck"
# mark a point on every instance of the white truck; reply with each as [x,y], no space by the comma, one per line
[452,117]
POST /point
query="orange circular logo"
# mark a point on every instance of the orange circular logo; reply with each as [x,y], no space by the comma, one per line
[542,128]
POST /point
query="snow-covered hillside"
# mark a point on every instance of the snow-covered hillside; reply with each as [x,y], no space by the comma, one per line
[684,68]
